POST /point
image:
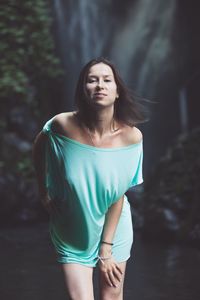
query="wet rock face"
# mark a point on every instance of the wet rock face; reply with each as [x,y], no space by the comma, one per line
[18,189]
[19,201]
[171,199]
[8,188]
[20,120]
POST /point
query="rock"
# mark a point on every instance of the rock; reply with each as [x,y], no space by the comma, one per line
[11,139]
[136,200]
[22,121]
[19,200]
[8,191]
[171,198]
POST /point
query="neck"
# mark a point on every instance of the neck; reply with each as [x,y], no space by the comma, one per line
[104,122]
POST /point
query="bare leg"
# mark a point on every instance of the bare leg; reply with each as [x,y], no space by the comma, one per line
[112,293]
[78,280]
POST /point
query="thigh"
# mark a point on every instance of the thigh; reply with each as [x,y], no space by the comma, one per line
[108,292]
[78,280]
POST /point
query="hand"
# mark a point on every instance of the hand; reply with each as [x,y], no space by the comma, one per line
[110,271]
[49,204]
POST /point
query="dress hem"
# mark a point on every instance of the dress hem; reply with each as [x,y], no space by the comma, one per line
[90,265]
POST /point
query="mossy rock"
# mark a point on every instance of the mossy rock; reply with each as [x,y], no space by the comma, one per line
[171,199]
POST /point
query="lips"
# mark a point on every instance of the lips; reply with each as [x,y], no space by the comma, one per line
[100,94]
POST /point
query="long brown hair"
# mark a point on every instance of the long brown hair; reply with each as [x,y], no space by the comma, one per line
[128,108]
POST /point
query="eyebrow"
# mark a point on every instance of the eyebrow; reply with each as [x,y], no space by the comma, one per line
[97,76]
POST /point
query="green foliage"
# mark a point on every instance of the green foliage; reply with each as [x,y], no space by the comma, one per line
[26,46]
[24,167]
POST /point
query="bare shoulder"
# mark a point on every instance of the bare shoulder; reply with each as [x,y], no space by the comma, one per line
[63,122]
[137,134]
[133,135]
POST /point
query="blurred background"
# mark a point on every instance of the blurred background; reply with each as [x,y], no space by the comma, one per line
[155,44]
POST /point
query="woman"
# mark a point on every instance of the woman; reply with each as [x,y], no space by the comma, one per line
[93,156]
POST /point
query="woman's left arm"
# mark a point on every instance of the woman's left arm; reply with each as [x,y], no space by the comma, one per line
[108,266]
[111,220]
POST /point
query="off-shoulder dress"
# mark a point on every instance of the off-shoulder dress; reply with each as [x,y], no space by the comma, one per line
[84,181]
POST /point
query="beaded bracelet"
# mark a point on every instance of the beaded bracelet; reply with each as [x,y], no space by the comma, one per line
[101,258]
[104,242]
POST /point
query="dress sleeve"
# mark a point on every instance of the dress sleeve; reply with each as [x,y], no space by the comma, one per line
[47,127]
[138,176]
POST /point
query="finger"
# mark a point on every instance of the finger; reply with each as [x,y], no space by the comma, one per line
[117,274]
[112,279]
[46,206]
[119,269]
[109,282]
[51,207]
[45,201]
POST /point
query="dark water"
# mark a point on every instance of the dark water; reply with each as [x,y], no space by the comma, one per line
[28,270]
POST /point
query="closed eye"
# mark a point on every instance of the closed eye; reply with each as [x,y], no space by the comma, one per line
[91,80]
[95,80]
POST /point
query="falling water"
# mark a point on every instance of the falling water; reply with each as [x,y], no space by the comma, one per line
[79,27]
[81,38]
[145,41]
[183,109]
[140,43]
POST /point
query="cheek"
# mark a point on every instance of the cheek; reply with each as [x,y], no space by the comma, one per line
[88,89]
[114,89]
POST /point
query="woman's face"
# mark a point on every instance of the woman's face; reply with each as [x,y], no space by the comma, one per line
[101,87]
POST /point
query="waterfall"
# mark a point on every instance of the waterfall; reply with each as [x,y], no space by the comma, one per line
[81,36]
[143,44]
[140,43]
[79,28]
[183,102]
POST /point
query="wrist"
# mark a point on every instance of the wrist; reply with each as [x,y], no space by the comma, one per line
[104,258]
[105,250]
[106,242]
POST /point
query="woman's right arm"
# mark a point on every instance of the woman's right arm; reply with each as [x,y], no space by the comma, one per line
[39,162]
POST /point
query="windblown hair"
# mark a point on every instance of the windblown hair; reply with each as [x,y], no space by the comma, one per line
[128,108]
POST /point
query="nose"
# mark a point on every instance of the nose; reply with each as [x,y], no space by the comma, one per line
[100,84]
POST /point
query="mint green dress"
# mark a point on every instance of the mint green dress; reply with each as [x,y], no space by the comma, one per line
[84,181]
